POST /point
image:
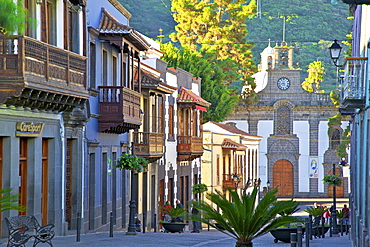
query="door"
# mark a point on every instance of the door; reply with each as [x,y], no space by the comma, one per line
[45,182]
[23,145]
[283,178]
[68,178]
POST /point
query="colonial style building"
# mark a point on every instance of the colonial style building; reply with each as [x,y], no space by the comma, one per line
[355,103]
[230,158]
[43,112]
[180,168]
[298,148]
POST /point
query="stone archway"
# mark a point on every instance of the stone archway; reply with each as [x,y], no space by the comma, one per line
[339,190]
[283,178]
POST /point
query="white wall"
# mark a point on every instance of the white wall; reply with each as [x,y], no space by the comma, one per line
[323,146]
[302,129]
[265,129]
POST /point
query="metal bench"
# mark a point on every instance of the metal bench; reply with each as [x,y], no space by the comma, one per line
[23,227]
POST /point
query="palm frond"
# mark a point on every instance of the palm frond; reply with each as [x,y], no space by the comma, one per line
[244,217]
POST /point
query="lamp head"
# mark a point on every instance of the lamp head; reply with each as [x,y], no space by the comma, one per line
[335,50]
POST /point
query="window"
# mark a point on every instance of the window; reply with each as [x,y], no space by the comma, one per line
[105,68]
[335,138]
[282,123]
[114,71]
[170,121]
[92,65]
[218,169]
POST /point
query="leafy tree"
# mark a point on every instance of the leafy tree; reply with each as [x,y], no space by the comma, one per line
[244,218]
[9,201]
[316,73]
[223,97]
[13,17]
[218,28]
[148,16]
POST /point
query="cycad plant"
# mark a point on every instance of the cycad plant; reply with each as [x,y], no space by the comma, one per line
[9,201]
[175,212]
[319,211]
[243,217]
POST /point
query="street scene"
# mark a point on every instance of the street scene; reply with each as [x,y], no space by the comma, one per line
[184,123]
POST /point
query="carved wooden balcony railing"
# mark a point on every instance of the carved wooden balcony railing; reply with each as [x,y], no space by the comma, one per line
[228,182]
[353,88]
[149,145]
[189,147]
[41,76]
[119,109]
[356,1]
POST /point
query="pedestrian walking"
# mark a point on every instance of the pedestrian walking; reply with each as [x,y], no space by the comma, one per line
[196,224]
[326,215]
[345,219]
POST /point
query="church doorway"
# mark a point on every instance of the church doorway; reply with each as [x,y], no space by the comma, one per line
[339,190]
[283,178]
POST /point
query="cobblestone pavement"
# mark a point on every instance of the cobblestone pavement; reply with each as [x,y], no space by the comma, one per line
[205,238]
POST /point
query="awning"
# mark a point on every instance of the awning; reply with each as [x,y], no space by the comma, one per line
[200,108]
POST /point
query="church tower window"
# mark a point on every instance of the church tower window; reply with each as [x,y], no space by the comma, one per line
[335,139]
[282,123]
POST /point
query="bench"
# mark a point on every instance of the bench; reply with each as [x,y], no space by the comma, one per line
[21,228]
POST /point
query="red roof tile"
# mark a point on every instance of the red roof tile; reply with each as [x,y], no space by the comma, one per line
[233,129]
[230,144]
[186,95]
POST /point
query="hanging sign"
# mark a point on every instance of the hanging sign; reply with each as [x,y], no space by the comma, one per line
[314,167]
[29,129]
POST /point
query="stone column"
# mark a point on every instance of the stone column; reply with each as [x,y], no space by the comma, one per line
[314,151]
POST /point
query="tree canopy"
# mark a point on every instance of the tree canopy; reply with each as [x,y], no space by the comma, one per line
[316,73]
[218,29]
[223,97]
[13,17]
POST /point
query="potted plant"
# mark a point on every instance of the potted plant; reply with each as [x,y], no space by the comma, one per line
[282,233]
[132,162]
[244,217]
[332,180]
[174,213]
[199,188]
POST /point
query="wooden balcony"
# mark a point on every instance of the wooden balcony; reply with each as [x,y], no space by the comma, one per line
[353,88]
[228,182]
[119,109]
[189,147]
[356,1]
[149,145]
[41,76]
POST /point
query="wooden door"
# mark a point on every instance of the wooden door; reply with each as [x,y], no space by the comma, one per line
[23,145]
[45,181]
[68,178]
[161,198]
[283,178]
[339,190]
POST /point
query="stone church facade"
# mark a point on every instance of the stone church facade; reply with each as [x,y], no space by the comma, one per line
[297,149]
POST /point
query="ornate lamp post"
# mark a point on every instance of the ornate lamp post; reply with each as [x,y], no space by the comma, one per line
[334,212]
[268,185]
[335,50]
[131,225]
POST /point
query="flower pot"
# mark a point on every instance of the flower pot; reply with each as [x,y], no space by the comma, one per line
[283,234]
[174,226]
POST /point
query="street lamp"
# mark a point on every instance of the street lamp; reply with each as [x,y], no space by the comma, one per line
[268,185]
[131,224]
[335,50]
[334,212]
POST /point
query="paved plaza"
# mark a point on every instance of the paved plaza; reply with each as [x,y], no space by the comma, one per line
[205,238]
